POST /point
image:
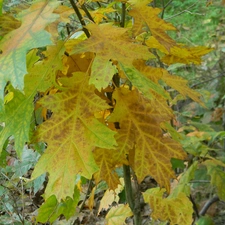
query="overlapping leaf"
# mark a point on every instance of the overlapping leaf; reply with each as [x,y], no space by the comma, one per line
[107,166]
[176,82]
[71,134]
[143,84]
[145,16]
[30,34]
[110,43]
[139,121]
[186,55]
[17,119]
[215,169]
[177,210]
[42,75]
[117,215]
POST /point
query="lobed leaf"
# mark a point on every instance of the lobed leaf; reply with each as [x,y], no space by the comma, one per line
[72,133]
[150,151]
[177,210]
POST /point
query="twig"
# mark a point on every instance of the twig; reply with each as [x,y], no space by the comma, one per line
[164,7]
[168,18]
[194,206]
[87,193]
[128,187]
[80,17]
[87,13]
[123,14]
[208,204]
[205,81]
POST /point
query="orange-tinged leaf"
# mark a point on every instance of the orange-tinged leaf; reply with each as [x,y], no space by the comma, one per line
[148,16]
[150,151]
[177,210]
[30,34]
[71,133]
[8,23]
[99,14]
[110,43]
[118,214]
[152,42]
[186,55]
[107,166]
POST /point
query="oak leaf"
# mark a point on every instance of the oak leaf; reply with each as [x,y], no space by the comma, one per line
[176,82]
[186,55]
[178,210]
[110,43]
[72,133]
[146,16]
[107,166]
[150,151]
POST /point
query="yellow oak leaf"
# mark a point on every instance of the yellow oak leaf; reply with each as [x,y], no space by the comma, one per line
[112,43]
[99,14]
[186,55]
[176,82]
[148,16]
[176,210]
[71,134]
[109,43]
[107,166]
[118,214]
[149,150]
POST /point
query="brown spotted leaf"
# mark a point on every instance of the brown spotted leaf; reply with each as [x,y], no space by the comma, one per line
[150,151]
[147,17]
[109,43]
[71,134]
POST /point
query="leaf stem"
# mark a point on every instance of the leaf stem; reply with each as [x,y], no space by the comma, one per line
[73,4]
[123,14]
[132,195]
[87,12]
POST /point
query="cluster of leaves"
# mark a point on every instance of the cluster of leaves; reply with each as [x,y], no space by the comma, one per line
[101,92]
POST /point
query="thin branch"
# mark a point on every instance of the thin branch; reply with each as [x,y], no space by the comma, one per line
[123,14]
[167,4]
[128,187]
[87,13]
[205,81]
[208,204]
[87,193]
[184,11]
[194,206]
[80,17]
[164,7]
